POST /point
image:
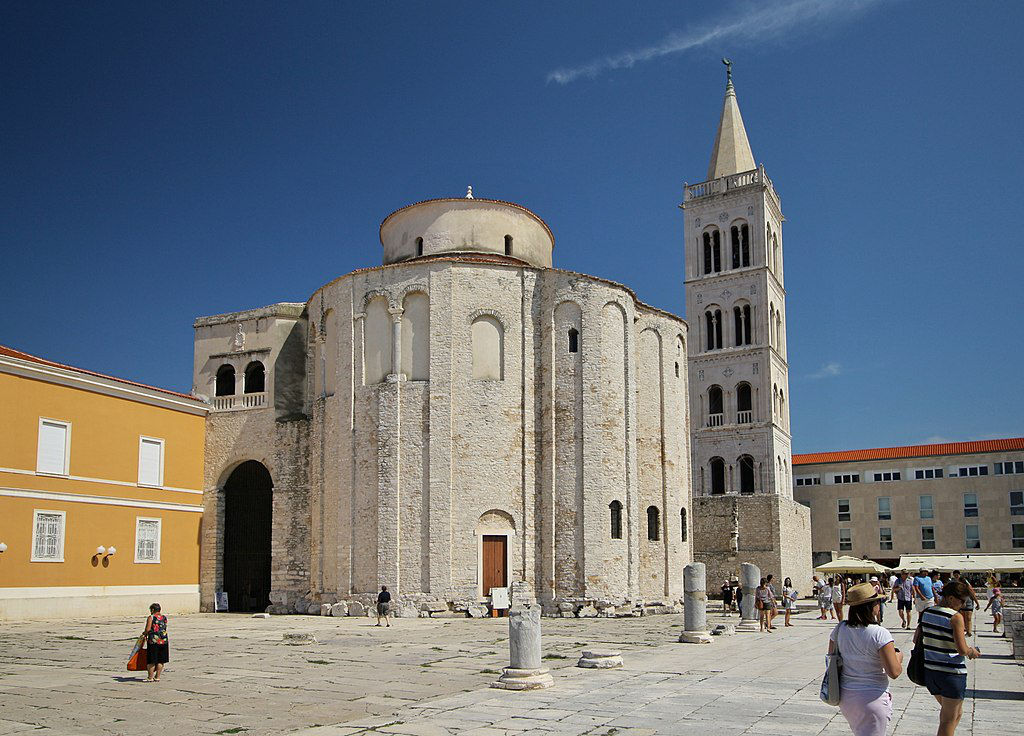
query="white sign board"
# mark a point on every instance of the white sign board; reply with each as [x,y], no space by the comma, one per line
[499,599]
[220,601]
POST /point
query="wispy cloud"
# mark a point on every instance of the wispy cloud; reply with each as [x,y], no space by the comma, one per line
[763,22]
[828,370]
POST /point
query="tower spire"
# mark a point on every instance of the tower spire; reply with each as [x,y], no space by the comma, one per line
[731,153]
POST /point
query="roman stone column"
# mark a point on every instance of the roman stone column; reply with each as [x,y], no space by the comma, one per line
[695,619]
[524,671]
[750,578]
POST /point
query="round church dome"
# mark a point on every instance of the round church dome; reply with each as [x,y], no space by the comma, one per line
[439,226]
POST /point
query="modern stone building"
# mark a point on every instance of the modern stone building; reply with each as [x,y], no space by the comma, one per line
[952,498]
[739,386]
[461,417]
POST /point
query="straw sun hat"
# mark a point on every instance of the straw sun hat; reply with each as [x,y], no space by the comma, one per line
[862,593]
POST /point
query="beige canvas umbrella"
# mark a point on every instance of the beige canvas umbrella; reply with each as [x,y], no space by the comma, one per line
[852,565]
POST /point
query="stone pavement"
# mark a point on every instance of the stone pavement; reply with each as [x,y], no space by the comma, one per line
[749,683]
[230,674]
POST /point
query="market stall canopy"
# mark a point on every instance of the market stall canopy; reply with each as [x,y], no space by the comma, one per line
[852,565]
[963,563]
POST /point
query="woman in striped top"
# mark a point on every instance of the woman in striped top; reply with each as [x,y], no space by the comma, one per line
[941,633]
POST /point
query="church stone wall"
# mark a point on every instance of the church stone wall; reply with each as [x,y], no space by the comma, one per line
[390,480]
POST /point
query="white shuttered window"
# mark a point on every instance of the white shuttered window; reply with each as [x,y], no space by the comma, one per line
[48,536]
[151,461]
[54,446]
[147,540]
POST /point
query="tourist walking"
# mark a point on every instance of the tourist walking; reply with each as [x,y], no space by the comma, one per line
[738,596]
[870,660]
[970,605]
[763,604]
[726,597]
[383,603]
[788,598]
[936,585]
[941,633]
[903,591]
[838,596]
[825,601]
[995,602]
[878,589]
[157,647]
[773,601]
[924,597]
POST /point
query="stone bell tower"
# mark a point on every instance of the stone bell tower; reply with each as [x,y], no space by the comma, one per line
[739,378]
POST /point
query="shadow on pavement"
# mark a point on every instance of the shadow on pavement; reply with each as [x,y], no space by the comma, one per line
[995,695]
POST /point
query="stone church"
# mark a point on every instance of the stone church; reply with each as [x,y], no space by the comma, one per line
[459,418]
[465,416]
[739,379]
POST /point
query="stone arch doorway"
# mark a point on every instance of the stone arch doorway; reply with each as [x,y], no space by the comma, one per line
[248,516]
[494,531]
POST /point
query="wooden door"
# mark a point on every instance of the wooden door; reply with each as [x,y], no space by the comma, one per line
[495,554]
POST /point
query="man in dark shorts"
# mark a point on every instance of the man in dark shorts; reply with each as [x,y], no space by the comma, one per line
[726,597]
[903,592]
[383,603]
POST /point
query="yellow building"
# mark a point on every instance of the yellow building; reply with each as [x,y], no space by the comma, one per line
[100,493]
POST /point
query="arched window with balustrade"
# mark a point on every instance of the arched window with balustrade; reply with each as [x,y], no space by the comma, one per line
[225,381]
[255,378]
[744,404]
[716,415]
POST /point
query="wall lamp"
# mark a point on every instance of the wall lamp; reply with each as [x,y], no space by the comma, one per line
[102,551]
[3,547]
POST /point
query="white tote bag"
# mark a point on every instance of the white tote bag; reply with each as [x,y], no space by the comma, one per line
[833,672]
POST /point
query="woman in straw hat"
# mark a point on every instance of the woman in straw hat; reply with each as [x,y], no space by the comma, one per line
[869,659]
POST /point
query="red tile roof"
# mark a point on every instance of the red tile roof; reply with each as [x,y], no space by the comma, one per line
[894,453]
[12,353]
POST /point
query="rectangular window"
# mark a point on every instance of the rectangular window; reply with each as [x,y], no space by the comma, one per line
[972,536]
[151,462]
[927,537]
[970,504]
[884,508]
[1016,503]
[886,475]
[927,473]
[844,509]
[147,539]
[808,480]
[925,504]
[1010,467]
[885,538]
[845,540]
[972,471]
[1017,535]
[54,447]
[847,478]
[48,536]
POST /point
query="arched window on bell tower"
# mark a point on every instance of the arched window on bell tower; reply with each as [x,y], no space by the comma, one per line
[746,474]
[715,413]
[712,250]
[713,327]
[717,476]
[741,324]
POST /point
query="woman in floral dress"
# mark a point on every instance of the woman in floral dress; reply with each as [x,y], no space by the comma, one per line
[157,649]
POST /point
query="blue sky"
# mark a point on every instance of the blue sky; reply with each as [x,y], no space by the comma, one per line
[161,162]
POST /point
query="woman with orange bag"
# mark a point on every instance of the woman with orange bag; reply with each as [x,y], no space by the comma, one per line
[157,649]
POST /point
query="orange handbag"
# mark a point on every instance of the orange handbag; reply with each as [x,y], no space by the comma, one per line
[137,660]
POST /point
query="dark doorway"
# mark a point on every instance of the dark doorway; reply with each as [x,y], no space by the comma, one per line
[248,498]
